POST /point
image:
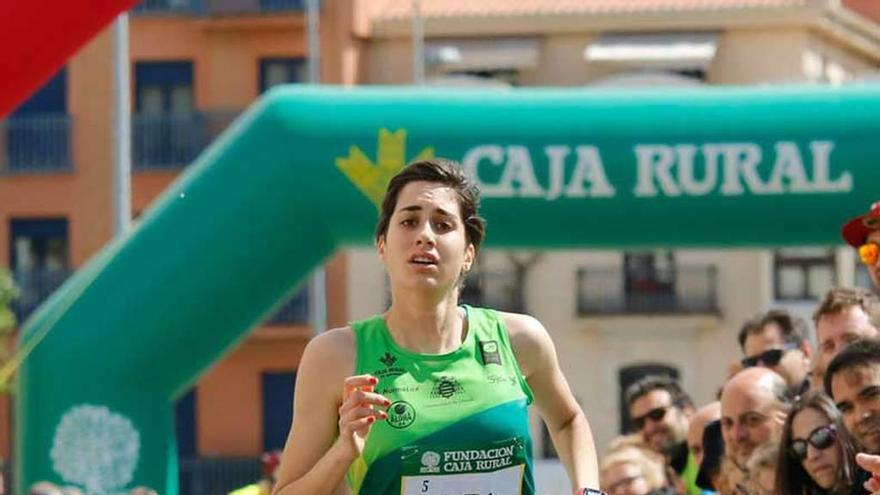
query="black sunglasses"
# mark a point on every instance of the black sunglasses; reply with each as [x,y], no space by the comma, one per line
[821,438]
[769,357]
[656,414]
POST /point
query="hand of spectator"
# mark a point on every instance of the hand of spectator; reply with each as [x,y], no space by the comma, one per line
[871,464]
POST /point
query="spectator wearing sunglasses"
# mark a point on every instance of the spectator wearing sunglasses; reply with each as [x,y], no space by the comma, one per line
[817,455]
[844,315]
[863,233]
[660,412]
[754,405]
[778,340]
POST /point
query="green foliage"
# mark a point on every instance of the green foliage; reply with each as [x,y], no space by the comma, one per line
[8,293]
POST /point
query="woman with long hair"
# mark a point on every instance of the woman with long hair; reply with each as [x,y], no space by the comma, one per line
[431,396]
[816,454]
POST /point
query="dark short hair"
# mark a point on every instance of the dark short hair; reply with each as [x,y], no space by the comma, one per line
[649,383]
[783,394]
[440,171]
[791,477]
[840,298]
[793,328]
[861,353]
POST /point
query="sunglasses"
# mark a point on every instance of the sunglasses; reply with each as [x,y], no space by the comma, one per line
[656,414]
[869,252]
[769,357]
[821,438]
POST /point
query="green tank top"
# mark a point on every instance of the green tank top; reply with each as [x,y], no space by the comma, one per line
[458,422]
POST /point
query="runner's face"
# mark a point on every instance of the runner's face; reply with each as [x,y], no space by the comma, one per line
[425,246]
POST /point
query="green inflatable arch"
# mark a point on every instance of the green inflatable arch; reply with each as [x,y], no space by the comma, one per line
[299,176]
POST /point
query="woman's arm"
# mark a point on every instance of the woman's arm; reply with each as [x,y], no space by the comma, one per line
[568,427]
[327,401]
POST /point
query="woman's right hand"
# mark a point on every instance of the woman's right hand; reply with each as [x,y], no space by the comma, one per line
[360,408]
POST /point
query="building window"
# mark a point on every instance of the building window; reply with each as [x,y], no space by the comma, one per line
[39,257]
[649,280]
[38,131]
[803,274]
[275,71]
[278,390]
[167,131]
[39,244]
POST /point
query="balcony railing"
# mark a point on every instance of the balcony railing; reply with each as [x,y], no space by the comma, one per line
[494,289]
[602,291]
[218,7]
[35,143]
[172,141]
[207,475]
[35,287]
[294,312]
[166,141]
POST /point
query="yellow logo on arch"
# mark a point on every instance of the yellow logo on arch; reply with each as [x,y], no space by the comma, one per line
[372,178]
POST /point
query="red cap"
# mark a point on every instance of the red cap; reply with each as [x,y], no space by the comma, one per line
[856,231]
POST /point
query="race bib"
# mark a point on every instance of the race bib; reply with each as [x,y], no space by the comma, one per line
[494,469]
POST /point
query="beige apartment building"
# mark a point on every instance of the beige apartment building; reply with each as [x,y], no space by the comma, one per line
[615,315]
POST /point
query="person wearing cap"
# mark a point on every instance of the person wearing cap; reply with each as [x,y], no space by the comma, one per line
[863,233]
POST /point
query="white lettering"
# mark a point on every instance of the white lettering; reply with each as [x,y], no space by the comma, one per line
[687,176]
[589,169]
[821,169]
[740,160]
[519,169]
[655,159]
[790,166]
[556,159]
[471,166]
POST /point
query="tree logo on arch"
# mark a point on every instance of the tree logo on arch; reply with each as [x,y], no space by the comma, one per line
[372,178]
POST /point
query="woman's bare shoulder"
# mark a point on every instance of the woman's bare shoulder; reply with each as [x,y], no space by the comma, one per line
[336,346]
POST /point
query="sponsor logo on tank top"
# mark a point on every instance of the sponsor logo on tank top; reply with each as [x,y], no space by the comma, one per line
[496,379]
[446,391]
[401,414]
[489,351]
[388,360]
[430,462]
[403,389]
